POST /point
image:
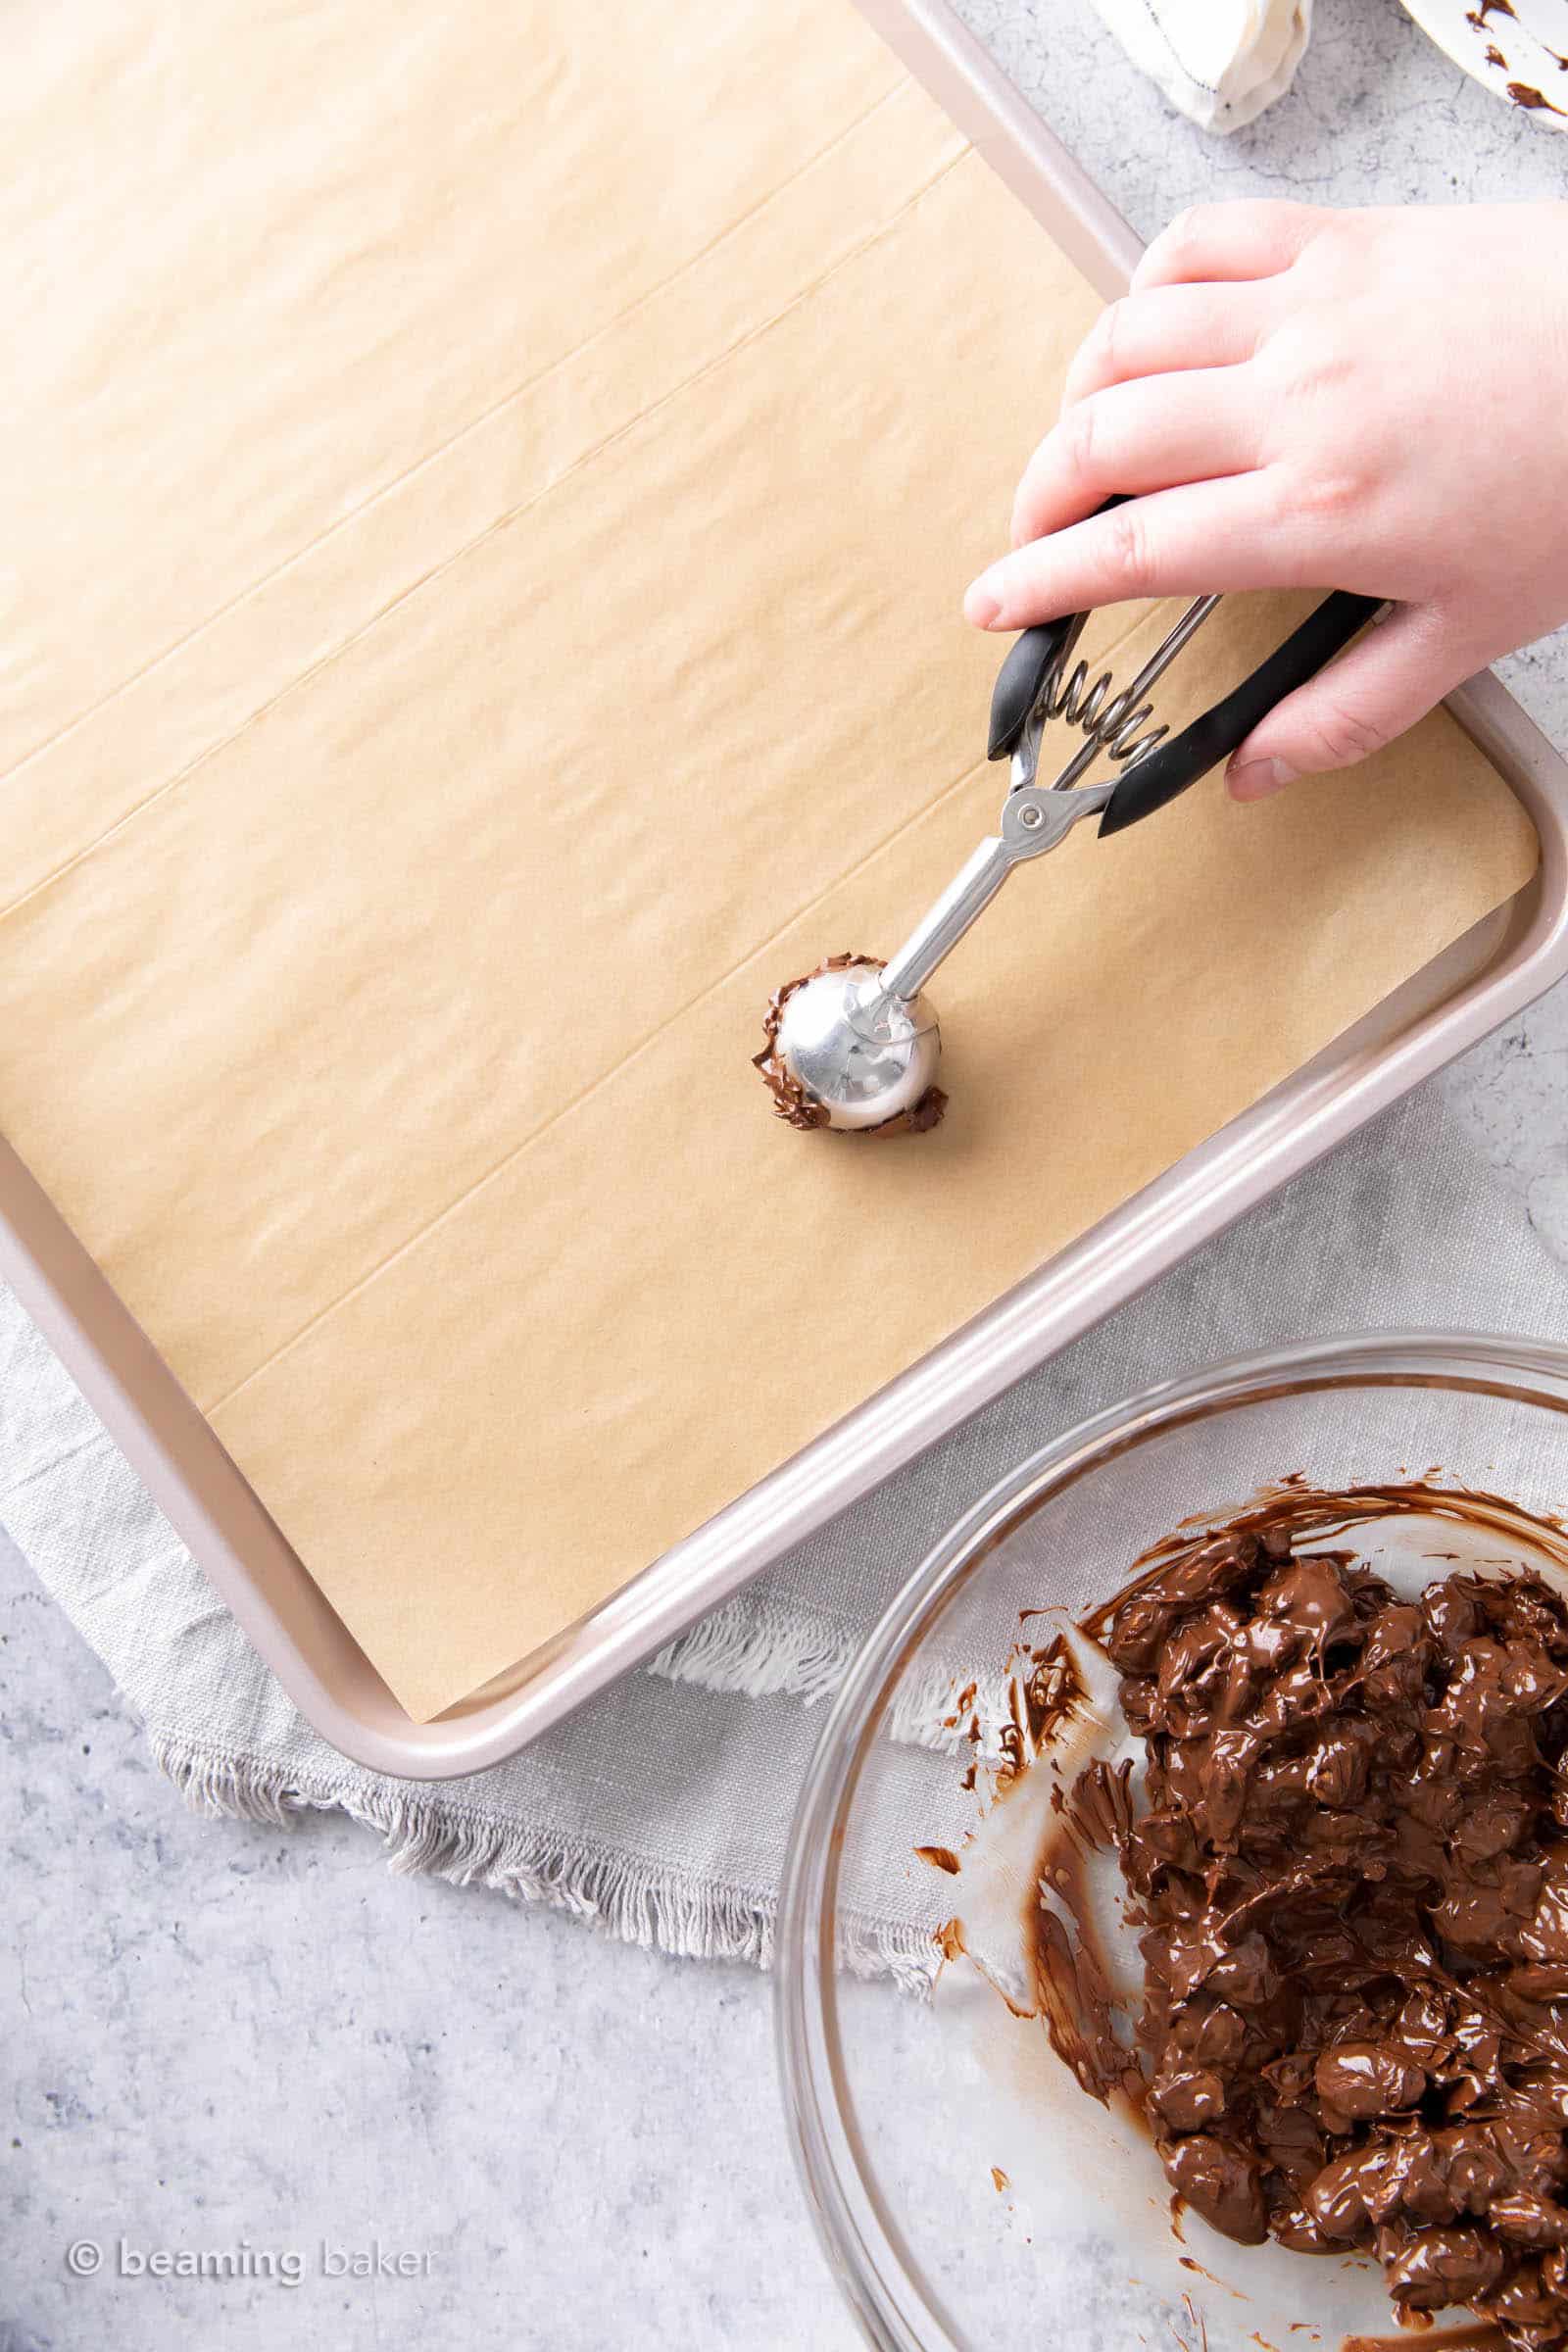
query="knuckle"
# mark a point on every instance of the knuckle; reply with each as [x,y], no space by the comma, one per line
[1300,363]
[1338,735]
[1109,337]
[1334,234]
[1127,551]
[1287,228]
[1193,224]
[1278,515]
[1081,440]
[1331,274]
[1324,244]
[1099,358]
[1181,235]
[1327,496]
[1289,215]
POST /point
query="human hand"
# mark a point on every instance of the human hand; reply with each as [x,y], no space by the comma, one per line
[1293,397]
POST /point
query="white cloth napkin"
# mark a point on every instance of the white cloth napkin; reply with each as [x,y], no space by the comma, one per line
[1220,61]
[661,1810]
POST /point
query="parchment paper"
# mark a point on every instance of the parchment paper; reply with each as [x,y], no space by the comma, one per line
[492,498]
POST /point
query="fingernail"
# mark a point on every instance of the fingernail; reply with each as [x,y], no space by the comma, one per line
[1258,778]
[981,604]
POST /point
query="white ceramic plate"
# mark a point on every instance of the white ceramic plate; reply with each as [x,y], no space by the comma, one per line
[1518,48]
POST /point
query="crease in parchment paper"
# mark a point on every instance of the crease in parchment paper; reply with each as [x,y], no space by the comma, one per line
[507,515]
[485,415]
[392,229]
[397,1075]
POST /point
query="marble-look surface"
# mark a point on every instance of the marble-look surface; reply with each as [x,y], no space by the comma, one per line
[224,2037]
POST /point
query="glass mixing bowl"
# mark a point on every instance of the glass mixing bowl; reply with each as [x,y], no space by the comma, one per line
[900,2109]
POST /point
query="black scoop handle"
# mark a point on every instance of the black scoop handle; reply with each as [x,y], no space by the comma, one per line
[1023,673]
[1019,681]
[1164,773]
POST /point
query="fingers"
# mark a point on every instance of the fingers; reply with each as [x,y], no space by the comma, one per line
[1181,542]
[1389,679]
[1167,329]
[1227,242]
[1138,437]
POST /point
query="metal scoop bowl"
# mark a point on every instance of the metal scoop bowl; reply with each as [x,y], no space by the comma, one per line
[862,1043]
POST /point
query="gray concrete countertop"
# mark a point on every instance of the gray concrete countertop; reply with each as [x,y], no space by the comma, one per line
[231,2038]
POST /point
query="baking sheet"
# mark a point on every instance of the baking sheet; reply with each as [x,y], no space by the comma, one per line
[407,909]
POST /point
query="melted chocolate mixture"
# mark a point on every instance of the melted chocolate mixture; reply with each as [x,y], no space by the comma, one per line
[1352,1884]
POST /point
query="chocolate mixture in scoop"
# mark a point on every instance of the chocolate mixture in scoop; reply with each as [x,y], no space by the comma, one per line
[1352,1881]
[793,1105]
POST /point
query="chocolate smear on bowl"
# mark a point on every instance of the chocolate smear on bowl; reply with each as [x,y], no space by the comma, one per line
[1533,101]
[939,1857]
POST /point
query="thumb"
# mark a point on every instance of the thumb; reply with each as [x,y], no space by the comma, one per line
[1391,677]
